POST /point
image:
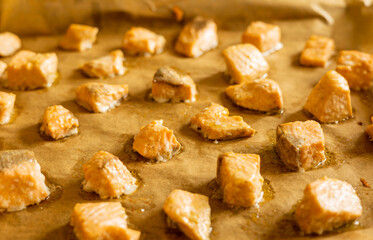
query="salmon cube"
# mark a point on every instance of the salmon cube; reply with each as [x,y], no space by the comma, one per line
[29,70]
[106,175]
[239,178]
[58,122]
[262,95]
[104,220]
[215,123]
[104,67]
[79,37]
[300,145]
[141,41]
[9,44]
[245,63]
[330,100]
[357,68]
[197,37]
[21,181]
[317,51]
[100,97]
[155,141]
[266,37]
[327,204]
[6,106]
[190,212]
[172,85]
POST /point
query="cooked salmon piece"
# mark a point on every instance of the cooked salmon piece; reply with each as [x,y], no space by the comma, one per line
[100,97]
[215,123]
[79,37]
[197,37]
[266,37]
[300,145]
[106,175]
[58,122]
[190,212]
[105,67]
[262,95]
[330,100]
[317,51]
[141,41]
[29,70]
[245,63]
[172,85]
[239,178]
[104,220]
[327,204]
[21,181]
[156,142]
[6,106]
[357,68]
[9,44]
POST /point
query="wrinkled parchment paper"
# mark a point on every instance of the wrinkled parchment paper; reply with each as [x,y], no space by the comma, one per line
[42,23]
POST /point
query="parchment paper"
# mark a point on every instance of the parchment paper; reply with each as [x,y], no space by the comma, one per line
[349,151]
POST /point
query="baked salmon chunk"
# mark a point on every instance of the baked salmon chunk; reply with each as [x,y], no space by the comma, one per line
[317,51]
[6,106]
[79,37]
[141,41]
[106,175]
[58,122]
[104,220]
[327,204]
[100,97]
[239,178]
[263,95]
[300,145]
[9,44]
[156,142]
[245,63]
[172,85]
[266,37]
[21,181]
[190,212]
[105,67]
[357,68]
[330,100]
[197,37]
[29,70]
[215,123]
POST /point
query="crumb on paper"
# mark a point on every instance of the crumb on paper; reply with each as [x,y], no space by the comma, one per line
[364,182]
[178,13]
